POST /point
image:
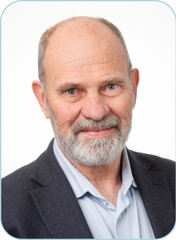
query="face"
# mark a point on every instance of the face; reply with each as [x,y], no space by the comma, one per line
[89,97]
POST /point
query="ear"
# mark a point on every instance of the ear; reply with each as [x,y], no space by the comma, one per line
[135,82]
[40,95]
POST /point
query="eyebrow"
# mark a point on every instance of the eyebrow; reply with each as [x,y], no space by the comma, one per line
[119,81]
[66,86]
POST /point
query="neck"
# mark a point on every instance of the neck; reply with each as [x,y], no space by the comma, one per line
[106,178]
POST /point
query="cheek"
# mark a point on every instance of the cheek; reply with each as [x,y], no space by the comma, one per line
[63,113]
[66,115]
[122,108]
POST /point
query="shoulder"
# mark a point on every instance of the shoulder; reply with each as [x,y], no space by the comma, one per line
[22,178]
[16,188]
[18,180]
[152,165]
[18,208]
[155,163]
[17,204]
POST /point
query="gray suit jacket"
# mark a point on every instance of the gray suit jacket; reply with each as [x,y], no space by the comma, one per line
[38,202]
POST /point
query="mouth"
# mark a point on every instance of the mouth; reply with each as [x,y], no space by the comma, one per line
[97,132]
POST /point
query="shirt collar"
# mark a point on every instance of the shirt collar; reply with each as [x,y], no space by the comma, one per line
[80,184]
[127,177]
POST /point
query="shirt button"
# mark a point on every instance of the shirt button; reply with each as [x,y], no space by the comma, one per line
[120,216]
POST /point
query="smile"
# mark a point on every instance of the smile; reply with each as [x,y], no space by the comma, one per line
[97,132]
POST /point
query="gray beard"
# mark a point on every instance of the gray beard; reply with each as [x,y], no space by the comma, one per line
[93,152]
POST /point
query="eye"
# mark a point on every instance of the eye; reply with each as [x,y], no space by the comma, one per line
[71,91]
[111,86]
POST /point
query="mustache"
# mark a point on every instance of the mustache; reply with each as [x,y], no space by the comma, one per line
[105,122]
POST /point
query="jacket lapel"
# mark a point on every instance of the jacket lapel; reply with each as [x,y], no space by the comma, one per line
[55,200]
[61,213]
[155,192]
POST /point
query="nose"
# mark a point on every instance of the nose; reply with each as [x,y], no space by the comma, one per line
[94,107]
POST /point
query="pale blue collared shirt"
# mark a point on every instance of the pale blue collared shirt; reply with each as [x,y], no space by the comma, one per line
[128,220]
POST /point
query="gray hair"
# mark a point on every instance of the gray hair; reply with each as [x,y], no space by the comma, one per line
[44,40]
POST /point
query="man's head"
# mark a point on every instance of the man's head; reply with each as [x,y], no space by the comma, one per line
[44,40]
[87,88]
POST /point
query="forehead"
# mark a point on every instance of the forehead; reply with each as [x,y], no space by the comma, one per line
[84,47]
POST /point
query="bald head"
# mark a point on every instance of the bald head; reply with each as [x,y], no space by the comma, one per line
[76,35]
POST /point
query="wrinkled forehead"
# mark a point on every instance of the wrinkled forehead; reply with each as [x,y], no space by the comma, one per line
[82,43]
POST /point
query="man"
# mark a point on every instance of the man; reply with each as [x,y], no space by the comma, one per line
[87,184]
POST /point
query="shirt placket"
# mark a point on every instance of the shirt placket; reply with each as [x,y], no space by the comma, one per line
[122,204]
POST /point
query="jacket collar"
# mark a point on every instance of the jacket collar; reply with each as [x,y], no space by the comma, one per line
[155,192]
[55,200]
[61,213]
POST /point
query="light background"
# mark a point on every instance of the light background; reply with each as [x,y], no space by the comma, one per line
[148,28]
[149,32]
